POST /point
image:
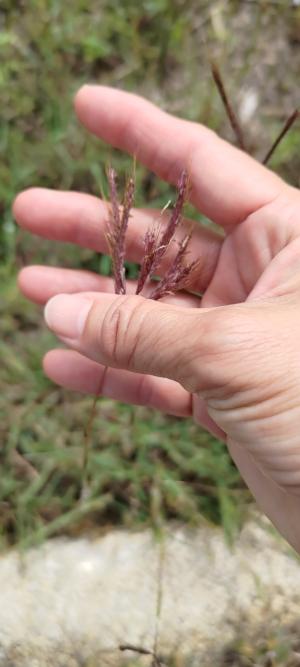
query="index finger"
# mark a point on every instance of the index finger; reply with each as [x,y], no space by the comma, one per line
[227,185]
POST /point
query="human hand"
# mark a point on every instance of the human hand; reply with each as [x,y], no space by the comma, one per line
[231,360]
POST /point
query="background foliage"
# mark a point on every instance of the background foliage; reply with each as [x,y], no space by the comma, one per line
[144,467]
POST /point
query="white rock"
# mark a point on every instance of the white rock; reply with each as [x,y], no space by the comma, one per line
[67,601]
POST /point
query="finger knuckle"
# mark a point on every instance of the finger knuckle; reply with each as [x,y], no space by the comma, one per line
[120,330]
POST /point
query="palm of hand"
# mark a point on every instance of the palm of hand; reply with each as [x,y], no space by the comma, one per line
[258,265]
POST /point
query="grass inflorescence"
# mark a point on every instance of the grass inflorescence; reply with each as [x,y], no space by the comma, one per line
[157,241]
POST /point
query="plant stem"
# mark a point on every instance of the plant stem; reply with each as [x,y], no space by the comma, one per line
[228,106]
[287,125]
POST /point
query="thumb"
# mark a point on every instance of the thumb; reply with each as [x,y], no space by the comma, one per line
[131,332]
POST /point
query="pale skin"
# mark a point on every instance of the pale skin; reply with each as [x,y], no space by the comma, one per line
[230,360]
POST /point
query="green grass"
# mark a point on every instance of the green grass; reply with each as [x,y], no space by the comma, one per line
[144,468]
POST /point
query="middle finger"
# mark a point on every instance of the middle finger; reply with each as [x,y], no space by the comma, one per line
[40,283]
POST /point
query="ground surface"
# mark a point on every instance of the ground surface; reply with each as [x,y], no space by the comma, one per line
[187,598]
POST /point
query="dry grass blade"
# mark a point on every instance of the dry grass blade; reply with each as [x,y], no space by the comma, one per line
[22,466]
[287,125]
[228,106]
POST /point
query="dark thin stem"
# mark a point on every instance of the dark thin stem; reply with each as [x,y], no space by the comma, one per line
[135,649]
[87,438]
[86,448]
[287,125]
[161,563]
[228,107]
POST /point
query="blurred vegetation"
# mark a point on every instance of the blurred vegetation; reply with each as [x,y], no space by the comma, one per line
[143,467]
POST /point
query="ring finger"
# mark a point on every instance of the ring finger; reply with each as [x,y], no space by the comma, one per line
[40,283]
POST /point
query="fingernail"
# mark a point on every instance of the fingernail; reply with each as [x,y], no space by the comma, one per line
[66,314]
